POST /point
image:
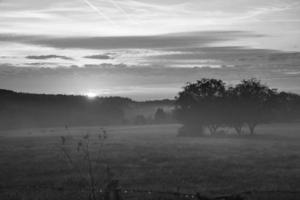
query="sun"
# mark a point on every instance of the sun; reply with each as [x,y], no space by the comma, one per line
[91,95]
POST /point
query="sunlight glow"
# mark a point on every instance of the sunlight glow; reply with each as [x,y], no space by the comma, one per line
[91,95]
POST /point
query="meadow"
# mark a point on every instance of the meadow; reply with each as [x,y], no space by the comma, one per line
[152,158]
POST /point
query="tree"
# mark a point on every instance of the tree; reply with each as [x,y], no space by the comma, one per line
[288,107]
[234,110]
[140,120]
[201,104]
[160,116]
[255,103]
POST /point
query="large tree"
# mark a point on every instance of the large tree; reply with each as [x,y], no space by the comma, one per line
[234,110]
[255,103]
[288,107]
[201,104]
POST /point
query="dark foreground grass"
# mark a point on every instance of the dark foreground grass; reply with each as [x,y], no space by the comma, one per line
[153,158]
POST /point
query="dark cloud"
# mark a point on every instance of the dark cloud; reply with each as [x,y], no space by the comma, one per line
[189,39]
[227,55]
[100,57]
[45,57]
[41,64]
[5,57]
[106,66]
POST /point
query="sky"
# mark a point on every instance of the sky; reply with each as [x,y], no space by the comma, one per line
[146,49]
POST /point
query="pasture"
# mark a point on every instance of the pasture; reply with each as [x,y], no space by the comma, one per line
[153,158]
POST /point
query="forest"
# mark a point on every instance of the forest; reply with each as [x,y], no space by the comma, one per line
[24,110]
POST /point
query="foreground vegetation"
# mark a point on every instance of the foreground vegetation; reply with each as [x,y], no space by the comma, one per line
[152,158]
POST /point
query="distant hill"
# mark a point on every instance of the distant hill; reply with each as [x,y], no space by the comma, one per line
[24,110]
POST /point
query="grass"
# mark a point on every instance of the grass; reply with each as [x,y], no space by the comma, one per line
[152,157]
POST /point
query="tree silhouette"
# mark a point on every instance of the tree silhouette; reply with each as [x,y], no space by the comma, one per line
[288,107]
[201,104]
[22,110]
[209,103]
[160,116]
[234,110]
[253,103]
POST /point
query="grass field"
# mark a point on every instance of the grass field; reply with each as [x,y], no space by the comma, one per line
[152,157]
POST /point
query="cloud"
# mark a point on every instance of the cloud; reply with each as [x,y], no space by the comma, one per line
[99,12]
[175,40]
[189,49]
[153,59]
[220,55]
[74,18]
[45,57]
[100,57]
[39,64]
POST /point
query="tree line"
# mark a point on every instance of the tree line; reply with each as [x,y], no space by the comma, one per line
[25,110]
[206,104]
[211,104]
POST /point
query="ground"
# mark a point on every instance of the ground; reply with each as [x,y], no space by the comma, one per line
[153,158]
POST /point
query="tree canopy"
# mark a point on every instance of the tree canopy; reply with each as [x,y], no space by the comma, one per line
[209,103]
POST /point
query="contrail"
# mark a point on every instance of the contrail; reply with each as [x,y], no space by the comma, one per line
[123,11]
[99,12]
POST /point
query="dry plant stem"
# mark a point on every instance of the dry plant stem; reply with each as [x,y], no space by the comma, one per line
[85,149]
[90,171]
[70,161]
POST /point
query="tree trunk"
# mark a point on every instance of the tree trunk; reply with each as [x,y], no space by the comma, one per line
[238,129]
[213,129]
[252,128]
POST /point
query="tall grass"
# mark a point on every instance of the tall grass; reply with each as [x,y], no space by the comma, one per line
[85,156]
